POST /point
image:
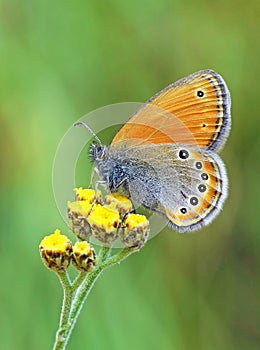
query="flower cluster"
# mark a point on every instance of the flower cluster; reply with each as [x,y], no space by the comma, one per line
[57,251]
[89,215]
[107,220]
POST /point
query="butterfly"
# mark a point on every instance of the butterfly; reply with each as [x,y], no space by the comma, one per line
[164,157]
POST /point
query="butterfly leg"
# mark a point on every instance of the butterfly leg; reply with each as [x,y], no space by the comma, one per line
[93,174]
[99,182]
[123,188]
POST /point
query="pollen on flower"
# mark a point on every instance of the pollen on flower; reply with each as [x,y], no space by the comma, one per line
[104,223]
[118,202]
[135,230]
[87,194]
[80,207]
[82,247]
[135,220]
[105,217]
[78,212]
[55,251]
[55,241]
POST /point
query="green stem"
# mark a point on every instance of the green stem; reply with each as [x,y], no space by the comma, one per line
[65,311]
[78,280]
[104,253]
[86,287]
[76,294]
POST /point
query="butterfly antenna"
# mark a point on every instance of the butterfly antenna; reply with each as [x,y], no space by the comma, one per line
[90,130]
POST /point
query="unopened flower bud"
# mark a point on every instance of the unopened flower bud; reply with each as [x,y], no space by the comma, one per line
[55,251]
[135,231]
[84,257]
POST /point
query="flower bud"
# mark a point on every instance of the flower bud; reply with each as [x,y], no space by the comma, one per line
[104,223]
[77,219]
[118,202]
[88,194]
[135,231]
[84,257]
[55,251]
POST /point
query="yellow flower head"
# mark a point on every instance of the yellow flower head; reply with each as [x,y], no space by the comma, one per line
[120,203]
[135,230]
[104,223]
[133,221]
[55,251]
[81,207]
[84,257]
[78,212]
[87,194]
[88,216]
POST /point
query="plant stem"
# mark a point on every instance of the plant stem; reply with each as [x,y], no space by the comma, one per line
[78,280]
[104,252]
[65,311]
[76,293]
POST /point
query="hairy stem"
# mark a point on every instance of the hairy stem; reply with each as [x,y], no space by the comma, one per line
[75,294]
[65,310]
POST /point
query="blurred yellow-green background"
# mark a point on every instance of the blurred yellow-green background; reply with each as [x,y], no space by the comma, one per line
[62,59]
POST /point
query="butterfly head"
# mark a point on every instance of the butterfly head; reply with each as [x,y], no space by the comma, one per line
[97,152]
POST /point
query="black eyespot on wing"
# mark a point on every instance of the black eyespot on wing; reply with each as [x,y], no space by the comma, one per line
[183,154]
[204,176]
[202,188]
[198,165]
[183,210]
[200,93]
[194,201]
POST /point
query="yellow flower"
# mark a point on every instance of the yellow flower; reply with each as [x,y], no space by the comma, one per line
[55,251]
[78,212]
[118,202]
[104,223]
[84,257]
[87,194]
[135,230]
[87,216]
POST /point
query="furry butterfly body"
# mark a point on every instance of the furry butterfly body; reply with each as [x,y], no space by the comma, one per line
[164,156]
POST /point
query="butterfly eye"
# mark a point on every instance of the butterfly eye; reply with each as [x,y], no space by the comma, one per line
[202,188]
[198,165]
[194,201]
[183,154]
[183,210]
[200,93]
[204,176]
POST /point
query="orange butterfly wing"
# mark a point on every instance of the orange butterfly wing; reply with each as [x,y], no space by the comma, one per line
[194,111]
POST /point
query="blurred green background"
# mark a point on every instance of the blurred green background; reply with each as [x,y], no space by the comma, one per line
[62,59]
